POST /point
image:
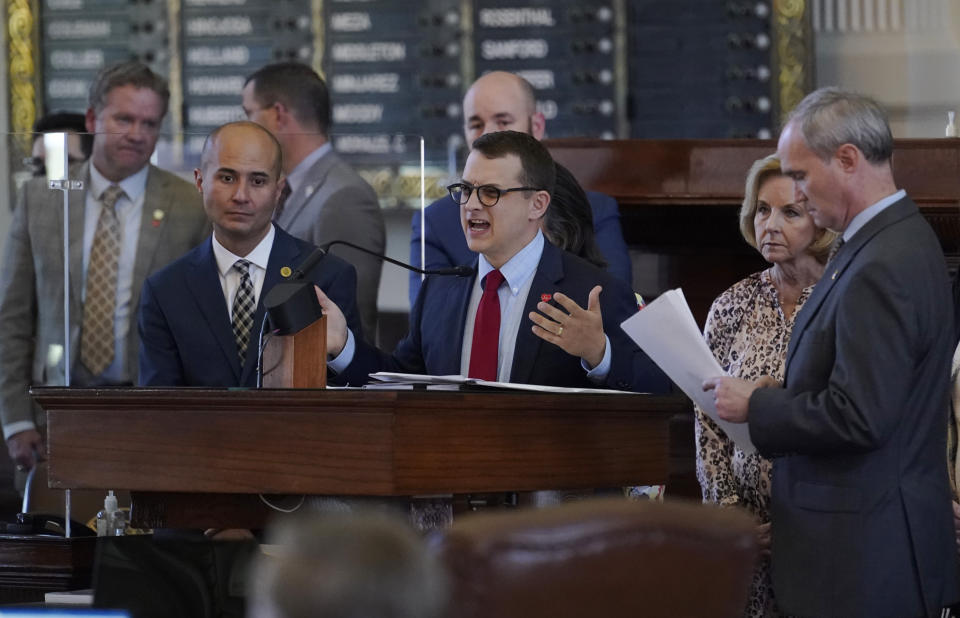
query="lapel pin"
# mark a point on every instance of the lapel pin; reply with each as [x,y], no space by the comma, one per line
[309,190]
[157,217]
[285,272]
[833,277]
[545,298]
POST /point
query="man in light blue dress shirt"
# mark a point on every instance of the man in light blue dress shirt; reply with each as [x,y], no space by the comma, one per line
[505,191]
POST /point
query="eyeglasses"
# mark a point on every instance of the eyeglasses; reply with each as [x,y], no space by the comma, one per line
[488,195]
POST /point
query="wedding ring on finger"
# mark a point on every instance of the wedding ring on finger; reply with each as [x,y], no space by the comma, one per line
[560,332]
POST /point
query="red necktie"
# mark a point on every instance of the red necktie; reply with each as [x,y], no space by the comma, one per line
[486,330]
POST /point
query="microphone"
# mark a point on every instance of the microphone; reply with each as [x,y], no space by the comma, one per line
[459,271]
[307,265]
[289,306]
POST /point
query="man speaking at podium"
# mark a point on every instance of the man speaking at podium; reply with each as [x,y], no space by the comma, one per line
[200,316]
[478,326]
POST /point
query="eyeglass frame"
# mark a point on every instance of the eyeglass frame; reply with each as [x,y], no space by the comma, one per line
[468,189]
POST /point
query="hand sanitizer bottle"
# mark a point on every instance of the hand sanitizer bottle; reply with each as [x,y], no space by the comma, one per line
[111,521]
[951,130]
[118,525]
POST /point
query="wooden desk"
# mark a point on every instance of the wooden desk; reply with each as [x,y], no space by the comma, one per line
[31,565]
[199,457]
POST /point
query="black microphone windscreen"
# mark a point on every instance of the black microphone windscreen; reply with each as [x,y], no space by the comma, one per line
[307,265]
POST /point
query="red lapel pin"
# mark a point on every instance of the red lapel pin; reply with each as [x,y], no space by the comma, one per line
[545,298]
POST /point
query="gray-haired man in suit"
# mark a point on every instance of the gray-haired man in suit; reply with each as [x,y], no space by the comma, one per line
[130,219]
[326,200]
[860,502]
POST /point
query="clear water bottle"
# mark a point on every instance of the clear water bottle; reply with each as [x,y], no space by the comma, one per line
[111,521]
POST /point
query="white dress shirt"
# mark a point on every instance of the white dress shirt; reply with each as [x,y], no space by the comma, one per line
[230,278]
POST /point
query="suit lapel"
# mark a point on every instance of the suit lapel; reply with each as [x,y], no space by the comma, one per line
[283,253]
[203,281]
[153,222]
[313,179]
[460,297]
[833,274]
[78,201]
[545,280]
[75,214]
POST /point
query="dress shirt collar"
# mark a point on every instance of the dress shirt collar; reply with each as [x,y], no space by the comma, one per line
[519,268]
[133,185]
[298,174]
[870,212]
[258,257]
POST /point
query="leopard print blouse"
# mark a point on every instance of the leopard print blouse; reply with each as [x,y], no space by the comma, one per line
[748,333]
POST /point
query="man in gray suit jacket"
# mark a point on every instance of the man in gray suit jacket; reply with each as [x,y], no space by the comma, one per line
[152,218]
[861,517]
[326,200]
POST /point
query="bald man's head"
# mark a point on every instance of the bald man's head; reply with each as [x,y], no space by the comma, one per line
[240,181]
[501,101]
[243,125]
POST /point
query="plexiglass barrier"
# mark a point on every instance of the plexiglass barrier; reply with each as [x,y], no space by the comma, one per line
[394,165]
[404,173]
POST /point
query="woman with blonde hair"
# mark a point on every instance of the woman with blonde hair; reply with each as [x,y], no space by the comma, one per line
[748,330]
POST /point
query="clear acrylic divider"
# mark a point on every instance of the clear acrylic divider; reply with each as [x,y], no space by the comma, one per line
[406,172]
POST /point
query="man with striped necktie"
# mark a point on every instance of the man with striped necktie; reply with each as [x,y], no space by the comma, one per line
[200,316]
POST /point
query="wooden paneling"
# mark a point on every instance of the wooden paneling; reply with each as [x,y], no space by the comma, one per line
[174,447]
[31,565]
[679,201]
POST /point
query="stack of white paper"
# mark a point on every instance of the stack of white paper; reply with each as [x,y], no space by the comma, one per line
[388,377]
[666,330]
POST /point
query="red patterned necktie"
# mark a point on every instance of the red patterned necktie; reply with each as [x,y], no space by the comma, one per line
[486,330]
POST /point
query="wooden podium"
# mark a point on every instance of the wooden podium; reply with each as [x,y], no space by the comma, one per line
[196,458]
[297,360]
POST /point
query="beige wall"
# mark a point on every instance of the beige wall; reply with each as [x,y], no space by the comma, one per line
[905,53]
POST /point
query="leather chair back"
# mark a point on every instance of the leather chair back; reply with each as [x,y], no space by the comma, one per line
[604,558]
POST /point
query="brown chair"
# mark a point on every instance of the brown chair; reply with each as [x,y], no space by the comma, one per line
[604,558]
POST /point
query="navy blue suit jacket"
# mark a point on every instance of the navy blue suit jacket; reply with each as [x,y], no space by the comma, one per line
[446,245]
[434,343]
[186,338]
